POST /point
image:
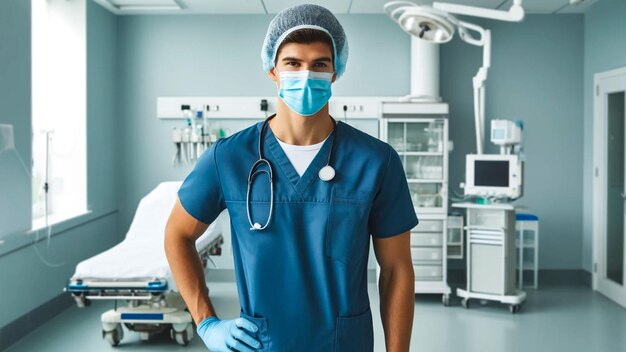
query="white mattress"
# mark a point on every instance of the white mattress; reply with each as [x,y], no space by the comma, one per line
[141,254]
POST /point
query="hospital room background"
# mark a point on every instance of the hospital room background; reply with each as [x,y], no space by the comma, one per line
[85,93]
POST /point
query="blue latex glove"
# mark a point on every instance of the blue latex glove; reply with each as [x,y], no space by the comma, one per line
[228,335]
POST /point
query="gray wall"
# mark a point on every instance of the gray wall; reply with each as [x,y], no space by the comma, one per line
[535,76]
[605,49]
[26,281]
[15,107]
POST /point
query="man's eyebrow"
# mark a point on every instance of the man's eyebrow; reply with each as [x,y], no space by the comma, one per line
[321,59]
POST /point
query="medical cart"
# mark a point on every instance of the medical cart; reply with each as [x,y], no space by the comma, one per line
[491,259]
[419,133]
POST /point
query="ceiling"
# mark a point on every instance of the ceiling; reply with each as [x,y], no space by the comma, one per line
[147,7]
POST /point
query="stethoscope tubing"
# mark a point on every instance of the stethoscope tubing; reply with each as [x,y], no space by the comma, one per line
[253,173]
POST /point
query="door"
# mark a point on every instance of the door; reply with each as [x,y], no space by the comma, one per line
[610,185]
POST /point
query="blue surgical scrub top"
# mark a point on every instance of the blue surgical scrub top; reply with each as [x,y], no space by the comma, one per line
[303,280]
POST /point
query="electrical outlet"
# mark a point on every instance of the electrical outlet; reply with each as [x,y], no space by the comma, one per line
[6,137]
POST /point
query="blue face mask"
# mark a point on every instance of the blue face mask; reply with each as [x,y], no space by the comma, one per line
[305,92]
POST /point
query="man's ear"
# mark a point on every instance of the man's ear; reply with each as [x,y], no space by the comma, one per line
[334,78]
[272,74]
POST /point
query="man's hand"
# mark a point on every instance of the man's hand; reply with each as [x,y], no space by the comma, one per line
[228,335]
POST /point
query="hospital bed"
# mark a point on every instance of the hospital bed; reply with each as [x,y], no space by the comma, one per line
[136,271]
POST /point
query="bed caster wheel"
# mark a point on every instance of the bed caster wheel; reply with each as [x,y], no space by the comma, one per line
[114,336]
[182,337]
[465,303]
[81,301]
[445,299]
[514,308]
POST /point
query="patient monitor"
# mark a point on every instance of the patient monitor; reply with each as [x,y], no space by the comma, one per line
[496,176]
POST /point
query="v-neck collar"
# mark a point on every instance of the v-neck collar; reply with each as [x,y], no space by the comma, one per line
[299,183]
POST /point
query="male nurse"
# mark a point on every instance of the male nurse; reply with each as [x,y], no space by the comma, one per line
[302,217]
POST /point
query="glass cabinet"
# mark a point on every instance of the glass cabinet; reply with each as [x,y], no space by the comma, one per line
[421,141]
[422,146]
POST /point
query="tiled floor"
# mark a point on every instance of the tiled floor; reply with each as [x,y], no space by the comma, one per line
[558,318]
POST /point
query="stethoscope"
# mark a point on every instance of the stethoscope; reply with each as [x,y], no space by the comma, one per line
[326,174]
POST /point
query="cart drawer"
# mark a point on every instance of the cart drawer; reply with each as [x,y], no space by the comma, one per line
[429,226]
[487,218]
[427,239]
[428,272]
[433,253]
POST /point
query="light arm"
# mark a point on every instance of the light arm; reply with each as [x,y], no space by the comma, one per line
[514,14]
[478,82]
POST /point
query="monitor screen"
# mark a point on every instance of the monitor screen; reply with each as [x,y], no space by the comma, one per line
[491,173]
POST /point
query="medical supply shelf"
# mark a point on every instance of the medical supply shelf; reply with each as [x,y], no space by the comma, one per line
[421,140]
[527,223]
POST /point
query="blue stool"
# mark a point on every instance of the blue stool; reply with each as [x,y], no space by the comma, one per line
[527,222]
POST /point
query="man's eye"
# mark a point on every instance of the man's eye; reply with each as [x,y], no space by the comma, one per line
[320,64]
[292,63]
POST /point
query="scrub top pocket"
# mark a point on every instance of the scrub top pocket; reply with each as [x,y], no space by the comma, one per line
[347,237]
[355,333]
[262,335]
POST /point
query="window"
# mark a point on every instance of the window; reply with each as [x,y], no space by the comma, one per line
[58,110]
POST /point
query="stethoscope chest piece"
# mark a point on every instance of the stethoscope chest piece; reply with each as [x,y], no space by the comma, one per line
[327,173]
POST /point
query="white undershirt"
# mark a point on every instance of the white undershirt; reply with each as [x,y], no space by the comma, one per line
[301,156]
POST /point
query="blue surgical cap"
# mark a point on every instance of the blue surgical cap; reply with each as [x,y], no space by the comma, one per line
[300,17]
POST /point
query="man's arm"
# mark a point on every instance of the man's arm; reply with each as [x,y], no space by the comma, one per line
[396,287]
[181,233]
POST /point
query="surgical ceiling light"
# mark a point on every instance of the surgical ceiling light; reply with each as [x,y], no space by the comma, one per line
[436,25]
[427,23]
